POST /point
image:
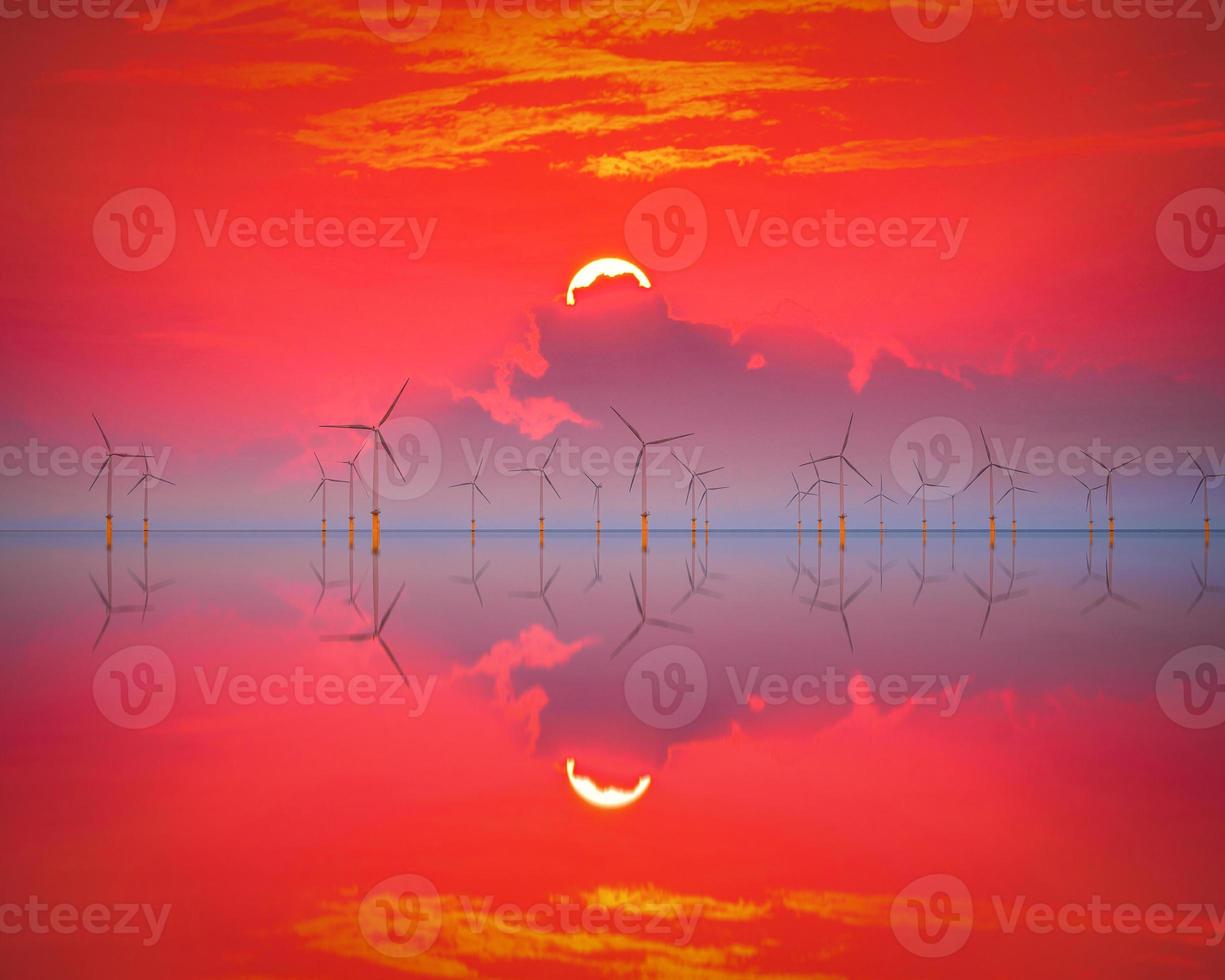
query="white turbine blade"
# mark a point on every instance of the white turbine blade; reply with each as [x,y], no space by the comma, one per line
[847,438]
[637,463]
[387,450]
[387,414]
[856,472]
[105,464]
[660,442]
[637,435]
[104,438]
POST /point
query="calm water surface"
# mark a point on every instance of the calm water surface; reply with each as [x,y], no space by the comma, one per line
[245,755]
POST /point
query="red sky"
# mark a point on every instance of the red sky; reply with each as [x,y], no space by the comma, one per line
[523,145]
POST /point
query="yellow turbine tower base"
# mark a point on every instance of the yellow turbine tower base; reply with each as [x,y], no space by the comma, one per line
[882,530]
[1207,531]
[597,529]
[374,530]
[644,532]
[924,529]
[146,532]
[324,528]
[842,531]
[799,528]
[109,531]
[350,532]
[819,527]
[542,532]
[991,531]
[693,529]
[706,528]
[473,528]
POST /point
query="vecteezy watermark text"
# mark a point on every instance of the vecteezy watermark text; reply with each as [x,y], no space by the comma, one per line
[97,918]
[668,230]
[402,916]
[136,230]
[933,917]
[138,686]
[37,459]
[90,9]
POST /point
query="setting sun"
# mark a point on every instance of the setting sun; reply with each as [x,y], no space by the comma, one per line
[606,797]
[596,268]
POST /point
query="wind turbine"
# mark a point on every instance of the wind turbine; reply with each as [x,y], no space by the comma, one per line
[542,593]
[645,620]
[697,585]
[643,444]
[108,599]
[1110,593]
[1089,492]
[1109,471]
[544,478]
[351,463]
[376,624]
[990,469]
[921,493]
[474,577]
[704,503]
[844,603]
[798,497]
[691,493]
[474,489]
[324,480]
[380,442]
[1204,587]
[147,587]
[595,503]
[108,464]
[881,496]
[146,476]
[920,573]
[989,595]
[816,472]
[1204,477]
[840,456]
[1012,492]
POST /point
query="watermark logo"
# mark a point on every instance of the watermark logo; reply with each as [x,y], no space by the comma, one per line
[417,449]
[400,20]
[401,916]
[933,915]
[939,447]
[1191,230]
[135,687]
[135,230]
[667,230]
[666,687]
[931,21]
[1191,687]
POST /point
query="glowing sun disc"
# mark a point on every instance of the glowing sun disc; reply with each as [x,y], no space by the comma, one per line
[606,797]
[604,267]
